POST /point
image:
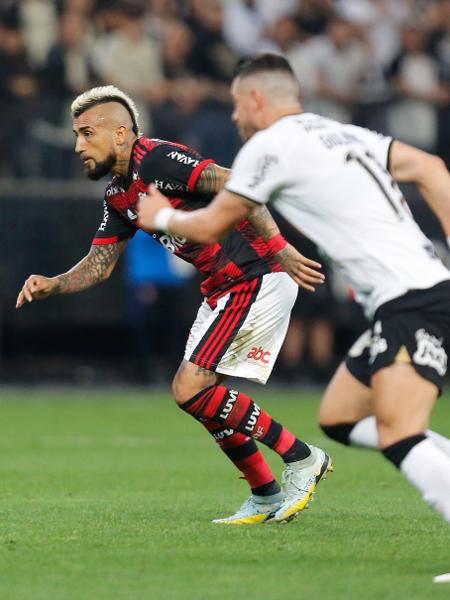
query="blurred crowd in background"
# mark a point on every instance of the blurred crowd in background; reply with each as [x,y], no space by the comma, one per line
[382,64]
[379,63]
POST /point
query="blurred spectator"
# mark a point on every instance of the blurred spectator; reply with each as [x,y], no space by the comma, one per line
[272,11]
[284,34]
[83,8]
[313,16]
[159,13]
[302,51]
[39,21]
[107,20]
[18,93]
[197,111]
[243,26]
[381,20]
[66,73]
[415,75]
[131,59]
[342,59]
[211,56]
[439,46]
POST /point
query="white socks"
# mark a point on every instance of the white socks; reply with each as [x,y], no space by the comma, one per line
[365,434]
[427,467]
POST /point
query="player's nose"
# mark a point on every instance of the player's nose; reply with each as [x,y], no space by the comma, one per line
[79,146]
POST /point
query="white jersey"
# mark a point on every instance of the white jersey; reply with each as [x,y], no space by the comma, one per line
[331,182]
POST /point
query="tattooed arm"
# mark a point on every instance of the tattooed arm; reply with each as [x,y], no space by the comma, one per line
[299,267]
[212,179]
[95,267]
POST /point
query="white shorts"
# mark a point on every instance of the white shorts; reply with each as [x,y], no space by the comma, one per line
[243,334]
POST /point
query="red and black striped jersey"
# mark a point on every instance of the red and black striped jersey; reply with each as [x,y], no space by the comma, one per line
[175,169]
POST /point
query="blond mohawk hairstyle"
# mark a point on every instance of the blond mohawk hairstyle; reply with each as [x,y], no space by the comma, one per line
[101,95]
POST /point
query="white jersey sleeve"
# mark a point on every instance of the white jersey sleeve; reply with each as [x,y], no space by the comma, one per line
[257,171]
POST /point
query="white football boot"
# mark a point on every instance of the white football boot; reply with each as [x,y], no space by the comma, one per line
[256,509]
[301,479]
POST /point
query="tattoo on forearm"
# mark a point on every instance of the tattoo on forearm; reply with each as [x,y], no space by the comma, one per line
[212,179]
[94,267]
[263,222]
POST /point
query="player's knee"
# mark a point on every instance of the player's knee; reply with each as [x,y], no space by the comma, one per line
[339,432]
[179,393]
[184,389]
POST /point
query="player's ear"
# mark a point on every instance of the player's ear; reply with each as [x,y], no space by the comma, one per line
[120,135]
[257,97]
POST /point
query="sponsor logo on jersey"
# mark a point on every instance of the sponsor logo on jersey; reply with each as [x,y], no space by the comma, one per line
[263,167]
[232,396]
[183,158]
[166,186]
[113,190]
[259,354]
[253,418]
[430,352]
[378,343]
[172,243]
[105,217]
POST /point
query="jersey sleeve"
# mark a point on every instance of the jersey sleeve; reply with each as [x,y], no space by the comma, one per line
[172,168]
[257,172]
[113,228]
[377,144]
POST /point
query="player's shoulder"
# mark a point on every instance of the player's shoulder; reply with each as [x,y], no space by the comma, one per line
[156,149]
[365,132]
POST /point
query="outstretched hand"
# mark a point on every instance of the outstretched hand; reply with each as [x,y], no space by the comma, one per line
[148,206]
[36,287]
[303,270]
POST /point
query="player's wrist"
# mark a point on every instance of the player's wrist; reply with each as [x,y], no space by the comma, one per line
[163,217]
[55,284]
[276,243]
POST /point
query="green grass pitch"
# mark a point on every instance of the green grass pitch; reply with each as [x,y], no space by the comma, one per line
[110,495]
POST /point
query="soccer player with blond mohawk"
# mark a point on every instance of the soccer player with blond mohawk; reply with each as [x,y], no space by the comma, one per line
[248,296]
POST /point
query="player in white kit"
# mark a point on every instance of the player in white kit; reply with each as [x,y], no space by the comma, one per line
[338,185]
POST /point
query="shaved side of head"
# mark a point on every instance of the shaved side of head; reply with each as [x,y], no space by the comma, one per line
[112,115]
[279,87]
[271,74]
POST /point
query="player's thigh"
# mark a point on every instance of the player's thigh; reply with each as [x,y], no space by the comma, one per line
[242,335]
[190,379]
[402,402]
[346,400]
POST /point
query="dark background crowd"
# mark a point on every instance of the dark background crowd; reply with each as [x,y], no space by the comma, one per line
[382,64]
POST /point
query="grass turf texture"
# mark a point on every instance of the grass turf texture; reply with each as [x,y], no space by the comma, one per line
[110,496]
